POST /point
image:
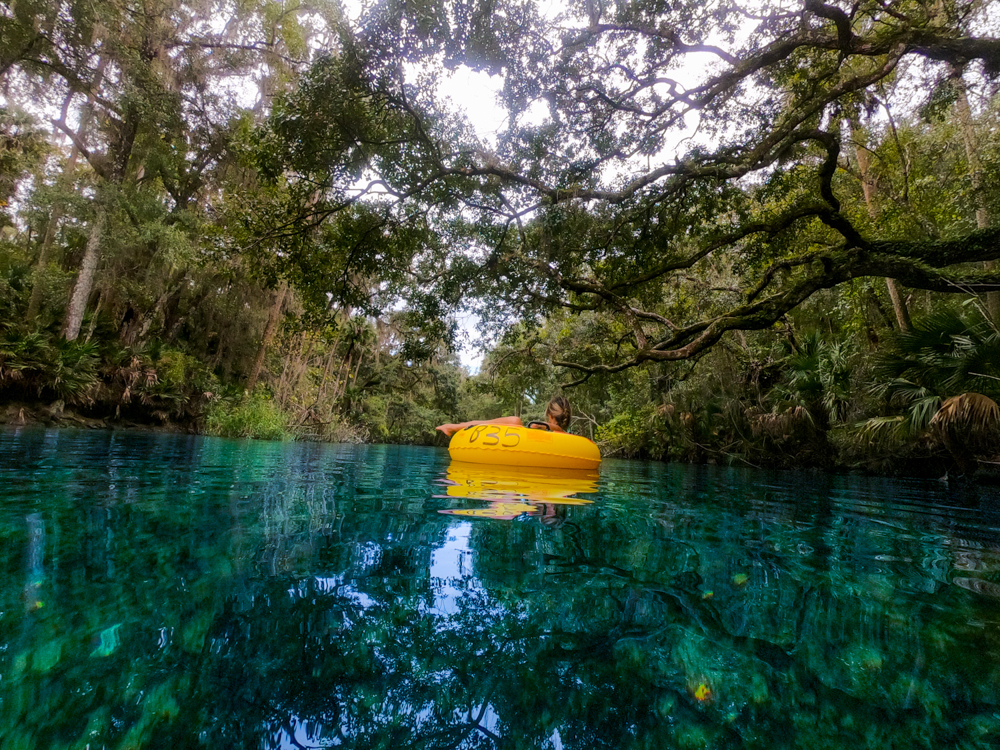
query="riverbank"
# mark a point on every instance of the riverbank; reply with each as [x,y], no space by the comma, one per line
[57,414]
[925,464]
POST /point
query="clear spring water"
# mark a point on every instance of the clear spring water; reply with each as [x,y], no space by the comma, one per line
[172,591]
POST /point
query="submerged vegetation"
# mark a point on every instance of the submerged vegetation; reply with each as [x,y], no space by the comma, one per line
[170,593]
[272,229]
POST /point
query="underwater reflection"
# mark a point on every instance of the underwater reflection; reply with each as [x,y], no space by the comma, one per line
[513,492]
[173,592]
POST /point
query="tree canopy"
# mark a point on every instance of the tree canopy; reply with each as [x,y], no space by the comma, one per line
[645,142]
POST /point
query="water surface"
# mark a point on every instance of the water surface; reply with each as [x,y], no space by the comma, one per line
[171,591]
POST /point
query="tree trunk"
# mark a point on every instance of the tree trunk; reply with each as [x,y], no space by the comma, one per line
[345,368]
[45,250]
[269,329]
[868,187]
[326,371]
[899,305]
[357,366]
[85,279]
[119,153]
[302,370]
[139,329]
[88,268]
[35,301]
[380,332]
[976,173]
[290,366]
[95,316]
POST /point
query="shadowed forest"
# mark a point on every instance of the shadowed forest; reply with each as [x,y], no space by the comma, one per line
[764,235]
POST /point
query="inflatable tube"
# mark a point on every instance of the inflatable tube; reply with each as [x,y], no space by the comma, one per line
[513,484]
[496,511]
[503,445]
[514,492]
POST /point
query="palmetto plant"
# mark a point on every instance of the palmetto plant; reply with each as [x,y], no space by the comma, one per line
[819,379]
[37,362]
[917,405]
[968,424]
[73,370]
[948,352]
[972,412]
[21,354]
[921,372]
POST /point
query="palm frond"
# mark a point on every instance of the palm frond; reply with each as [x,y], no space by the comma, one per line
[942,351]
[883,430]
[969,411]
[922,411]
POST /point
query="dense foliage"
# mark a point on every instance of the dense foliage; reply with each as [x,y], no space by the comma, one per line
[764,235]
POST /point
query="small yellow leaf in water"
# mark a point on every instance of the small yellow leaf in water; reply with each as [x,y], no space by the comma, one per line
[708,595]
[703,693]
[740,579]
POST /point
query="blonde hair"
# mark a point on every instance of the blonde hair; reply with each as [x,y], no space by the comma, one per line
[560,410]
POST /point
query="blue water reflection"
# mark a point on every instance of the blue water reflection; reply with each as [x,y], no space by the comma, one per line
[172,591]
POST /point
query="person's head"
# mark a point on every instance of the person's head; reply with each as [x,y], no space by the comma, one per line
[552,516]
[559,412]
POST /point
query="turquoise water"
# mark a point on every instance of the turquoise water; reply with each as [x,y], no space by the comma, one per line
[170,591]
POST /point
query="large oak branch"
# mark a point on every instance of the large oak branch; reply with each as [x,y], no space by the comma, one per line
[935,266]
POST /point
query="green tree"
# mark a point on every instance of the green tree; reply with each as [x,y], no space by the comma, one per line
[594,208]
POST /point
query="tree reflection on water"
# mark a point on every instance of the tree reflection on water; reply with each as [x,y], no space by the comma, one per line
[301,597]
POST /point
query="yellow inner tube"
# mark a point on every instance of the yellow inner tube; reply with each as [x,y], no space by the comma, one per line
[517,484]
[503,445]
[515,491]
